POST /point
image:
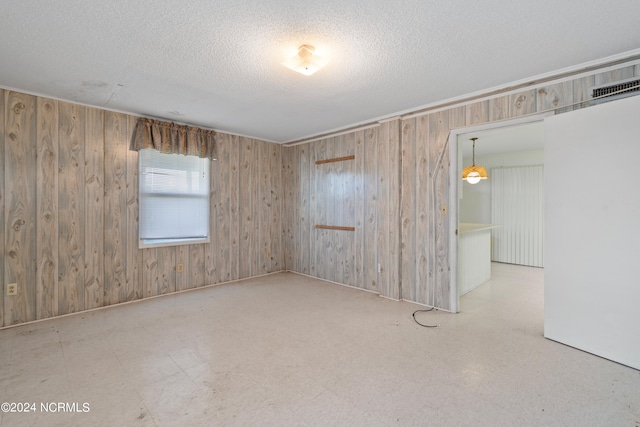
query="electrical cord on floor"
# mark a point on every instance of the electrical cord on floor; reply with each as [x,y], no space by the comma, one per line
[422,324]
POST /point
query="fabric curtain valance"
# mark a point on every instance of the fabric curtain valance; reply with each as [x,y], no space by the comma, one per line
[171,138]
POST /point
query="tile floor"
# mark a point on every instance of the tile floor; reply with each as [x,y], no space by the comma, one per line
[285,350]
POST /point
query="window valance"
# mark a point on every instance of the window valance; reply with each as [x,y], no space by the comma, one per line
[171,138]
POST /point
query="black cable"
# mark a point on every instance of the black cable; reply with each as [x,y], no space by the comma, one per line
[421,324]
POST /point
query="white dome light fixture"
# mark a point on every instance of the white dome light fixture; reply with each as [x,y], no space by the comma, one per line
[307,61]
[473,174]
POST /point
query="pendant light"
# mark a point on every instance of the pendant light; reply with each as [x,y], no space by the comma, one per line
[473,174]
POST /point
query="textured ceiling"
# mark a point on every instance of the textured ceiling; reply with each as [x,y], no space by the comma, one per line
[217,64]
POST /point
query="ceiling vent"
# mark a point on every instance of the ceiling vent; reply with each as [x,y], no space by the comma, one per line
[616,90]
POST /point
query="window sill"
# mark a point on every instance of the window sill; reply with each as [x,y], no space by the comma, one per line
[161,243]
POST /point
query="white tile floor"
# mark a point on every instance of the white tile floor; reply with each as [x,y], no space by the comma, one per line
[288,350]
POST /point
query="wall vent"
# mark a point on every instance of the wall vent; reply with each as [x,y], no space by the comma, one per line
[616,90]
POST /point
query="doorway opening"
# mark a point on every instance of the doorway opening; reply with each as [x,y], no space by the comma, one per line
[509,147]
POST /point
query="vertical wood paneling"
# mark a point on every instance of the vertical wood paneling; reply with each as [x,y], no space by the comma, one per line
[2,200]
[234,212]
[247,195]
[20,207]
[613,76]
[359,165]
[439,165]
[328,192]
[498,108]
[317,209]
[383,231]
[211,260]
[166,270]
[349,200]
[222,208]
[408,209]
[134,258]
[291,206]
[424,232]
[71,208]
[115,209]
[554,96]
[522,103]
[94,209]
[478,112]
[182,257]
[393,206]
[150,272]
[370,209]
[263,209]
[47,208]
[275,218]
[196,266]
[304,213]
[582,89]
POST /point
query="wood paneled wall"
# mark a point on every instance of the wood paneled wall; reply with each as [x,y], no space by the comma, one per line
[363,193]
[400,191]
[69,213]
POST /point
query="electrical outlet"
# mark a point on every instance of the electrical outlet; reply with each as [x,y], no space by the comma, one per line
[180,268]
[12,289]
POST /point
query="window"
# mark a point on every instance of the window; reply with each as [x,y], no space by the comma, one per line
[174,199]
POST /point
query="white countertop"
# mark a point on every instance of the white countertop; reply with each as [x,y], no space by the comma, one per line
[466,227]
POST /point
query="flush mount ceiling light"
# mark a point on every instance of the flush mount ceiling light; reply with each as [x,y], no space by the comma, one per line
[307,61]
[473,174]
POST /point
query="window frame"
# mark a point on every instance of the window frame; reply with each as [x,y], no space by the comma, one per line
[179,241]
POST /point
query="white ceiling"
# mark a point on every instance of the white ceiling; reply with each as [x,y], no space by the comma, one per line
[217,64]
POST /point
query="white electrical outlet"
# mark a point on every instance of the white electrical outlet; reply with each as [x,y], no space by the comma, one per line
[12,289]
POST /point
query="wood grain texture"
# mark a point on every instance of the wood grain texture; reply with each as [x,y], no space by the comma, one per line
[182,257]
[408,210]
[335,159]
[247,194]
[613,76]
[115,209]
[359,197]
[133,270]
[370,260]
[71,208]
[303,210]
[522,103]
[439,159]
[234,208]
[221,207]
[477,113]
[211,261]
[424,200]
[275,233]
[47,208]
[149,272]
[335,227]
[554,96]
[20,207]
[498,108]
[263,209]
[2,206]
[94,209]
[166,270]
[383,229]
